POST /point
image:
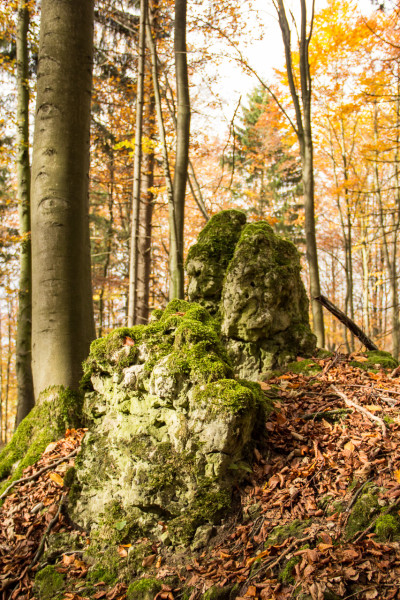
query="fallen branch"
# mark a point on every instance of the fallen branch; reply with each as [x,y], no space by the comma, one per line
[360,409]
[343,318]
[50,526]
[327,414]
[272,565]
[35,475]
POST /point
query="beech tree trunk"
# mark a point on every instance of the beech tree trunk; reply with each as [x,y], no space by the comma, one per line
[24,327]
[176,266]
[133,249]
[145,219]
[62,310]
[302,105]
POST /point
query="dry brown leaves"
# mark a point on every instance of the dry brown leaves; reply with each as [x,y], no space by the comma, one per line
[304,472]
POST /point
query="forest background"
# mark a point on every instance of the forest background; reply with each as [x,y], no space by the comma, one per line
[243,154]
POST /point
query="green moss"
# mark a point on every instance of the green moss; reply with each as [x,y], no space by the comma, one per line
[208,507]
[49,584]
[217,593]
[106,567]
[387,527]
[57,410]
[227,395]
[116,526]
[143,589]
[282,532]
[305,367]
[384,359]
[362,513]
[286,575]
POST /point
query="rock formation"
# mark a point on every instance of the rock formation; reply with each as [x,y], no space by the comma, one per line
[257,293]
[168,429]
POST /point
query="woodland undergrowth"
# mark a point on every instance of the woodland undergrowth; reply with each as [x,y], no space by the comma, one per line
[318,516]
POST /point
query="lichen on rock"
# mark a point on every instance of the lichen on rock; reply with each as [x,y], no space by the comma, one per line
[169,426]
[251,278]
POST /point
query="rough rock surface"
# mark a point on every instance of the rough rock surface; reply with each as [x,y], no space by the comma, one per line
[208,259]
[263,306]
[168,429]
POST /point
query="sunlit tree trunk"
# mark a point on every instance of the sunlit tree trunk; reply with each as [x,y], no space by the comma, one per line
[302,104]
[145,217]
[108,244]
[176,266]
[24,327]
[62,310]
[133,250]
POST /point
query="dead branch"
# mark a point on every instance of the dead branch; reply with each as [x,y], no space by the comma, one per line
[343,318]
[50,526]
[360,409]
[35,475]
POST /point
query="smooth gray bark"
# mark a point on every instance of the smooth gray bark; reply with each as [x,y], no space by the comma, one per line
[176,263]
[62,311]
[301,98]
[133,249]
[24,326]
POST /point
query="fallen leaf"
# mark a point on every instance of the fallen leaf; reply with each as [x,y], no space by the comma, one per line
[149,560]
[129,341]
[251,591]
[56,478]
[350,447]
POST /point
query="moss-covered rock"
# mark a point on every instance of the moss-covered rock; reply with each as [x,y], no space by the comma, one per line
[281,533]
[209,257]
[250,280]
[387,527]
[362,513]
[49,584]
[376,360]
[169,426]
[264,305]
[143,589]
[57,409]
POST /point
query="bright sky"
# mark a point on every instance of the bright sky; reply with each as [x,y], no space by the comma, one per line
[262,55]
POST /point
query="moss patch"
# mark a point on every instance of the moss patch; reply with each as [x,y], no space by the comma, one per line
[49,584]
[283,532]
[143,589]
[376,359]
[304,367]
[106,567]
[387,527]
[57,410]
[363,511]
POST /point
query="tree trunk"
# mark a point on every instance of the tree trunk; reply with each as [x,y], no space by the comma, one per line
[302,105]
[24,328]
[176,266]
[145,219]
[133,249]
[62,310]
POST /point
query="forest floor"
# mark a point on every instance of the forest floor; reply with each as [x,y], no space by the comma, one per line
[317,518]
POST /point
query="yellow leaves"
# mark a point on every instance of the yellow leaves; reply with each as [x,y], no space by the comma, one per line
[396,475]
[56,478]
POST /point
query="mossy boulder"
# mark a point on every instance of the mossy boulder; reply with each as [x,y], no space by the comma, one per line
[56,410]
[376,359]
[49,584]
[168,427]
[250,279]
[143,589]
[264,304]
[208,259]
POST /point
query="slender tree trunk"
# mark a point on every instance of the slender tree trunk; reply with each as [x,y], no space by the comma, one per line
[302,105]
[176,266]
[133,250]
[2,438]
[145,219]
[62,309]
[108,245]
[24,326]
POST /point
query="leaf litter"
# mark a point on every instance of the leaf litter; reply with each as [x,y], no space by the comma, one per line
[290,534]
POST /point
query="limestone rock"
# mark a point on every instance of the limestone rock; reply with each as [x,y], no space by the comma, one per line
[250,279]
[168,429]
[208,259]
[264,304]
